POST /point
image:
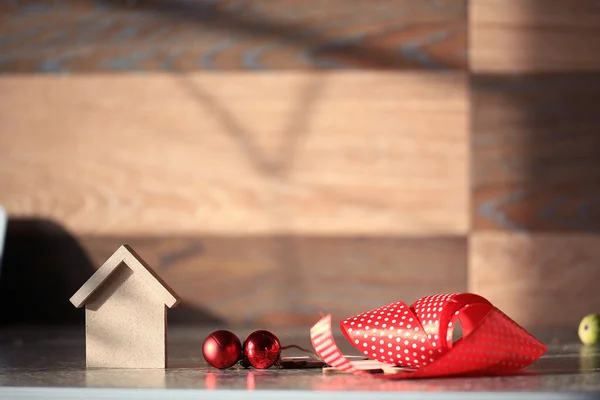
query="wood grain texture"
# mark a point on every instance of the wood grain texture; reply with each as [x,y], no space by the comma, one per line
[62,36]
[534,35]
[238,153]
[543,280]
[536,153]
[290,280]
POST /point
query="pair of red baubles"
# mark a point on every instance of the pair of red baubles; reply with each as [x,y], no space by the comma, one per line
[223,349]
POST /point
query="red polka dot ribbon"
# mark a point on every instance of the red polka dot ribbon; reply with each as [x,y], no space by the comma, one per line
[419,338]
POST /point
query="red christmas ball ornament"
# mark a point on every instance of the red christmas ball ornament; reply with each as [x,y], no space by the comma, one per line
[262,349]
[222,349]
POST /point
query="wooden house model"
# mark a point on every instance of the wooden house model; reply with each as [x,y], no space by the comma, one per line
[125,313]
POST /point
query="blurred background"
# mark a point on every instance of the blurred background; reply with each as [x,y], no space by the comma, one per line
[278,159]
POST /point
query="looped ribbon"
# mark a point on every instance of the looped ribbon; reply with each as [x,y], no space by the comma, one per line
[419,338]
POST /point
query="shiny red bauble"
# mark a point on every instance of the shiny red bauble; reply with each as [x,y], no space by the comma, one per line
[222,349]
[262,349]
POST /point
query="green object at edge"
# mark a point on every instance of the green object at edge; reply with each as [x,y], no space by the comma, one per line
[589,329]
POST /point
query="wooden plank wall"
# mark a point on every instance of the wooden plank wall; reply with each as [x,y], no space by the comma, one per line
[273,160]
[535,103]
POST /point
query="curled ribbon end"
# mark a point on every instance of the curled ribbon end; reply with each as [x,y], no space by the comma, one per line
[324,345]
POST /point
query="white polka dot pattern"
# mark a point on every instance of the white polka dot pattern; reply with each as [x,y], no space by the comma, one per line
[420,337]
[391,334]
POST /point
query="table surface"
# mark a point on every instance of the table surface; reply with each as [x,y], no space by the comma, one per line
[40,362]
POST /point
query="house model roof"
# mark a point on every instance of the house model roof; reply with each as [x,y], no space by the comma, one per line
[125,254]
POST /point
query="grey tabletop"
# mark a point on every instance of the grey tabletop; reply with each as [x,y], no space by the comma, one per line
[42,363]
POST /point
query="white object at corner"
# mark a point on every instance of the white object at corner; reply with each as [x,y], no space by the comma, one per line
[3,223]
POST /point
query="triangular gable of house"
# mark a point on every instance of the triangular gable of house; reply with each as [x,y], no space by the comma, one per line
[125,254]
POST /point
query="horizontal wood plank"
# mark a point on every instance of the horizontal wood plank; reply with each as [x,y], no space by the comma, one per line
[277,280]
[62,36]
[292,280]
[534,35]
[540,280]
[242,153]
[536,152]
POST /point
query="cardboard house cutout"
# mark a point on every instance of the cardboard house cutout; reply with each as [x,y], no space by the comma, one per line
[125,313]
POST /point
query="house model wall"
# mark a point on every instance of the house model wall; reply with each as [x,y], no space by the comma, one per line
[126,313]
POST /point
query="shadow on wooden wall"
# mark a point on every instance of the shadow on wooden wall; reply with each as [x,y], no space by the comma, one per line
[535,98]
[43,266]
[358,239]
[536,157]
